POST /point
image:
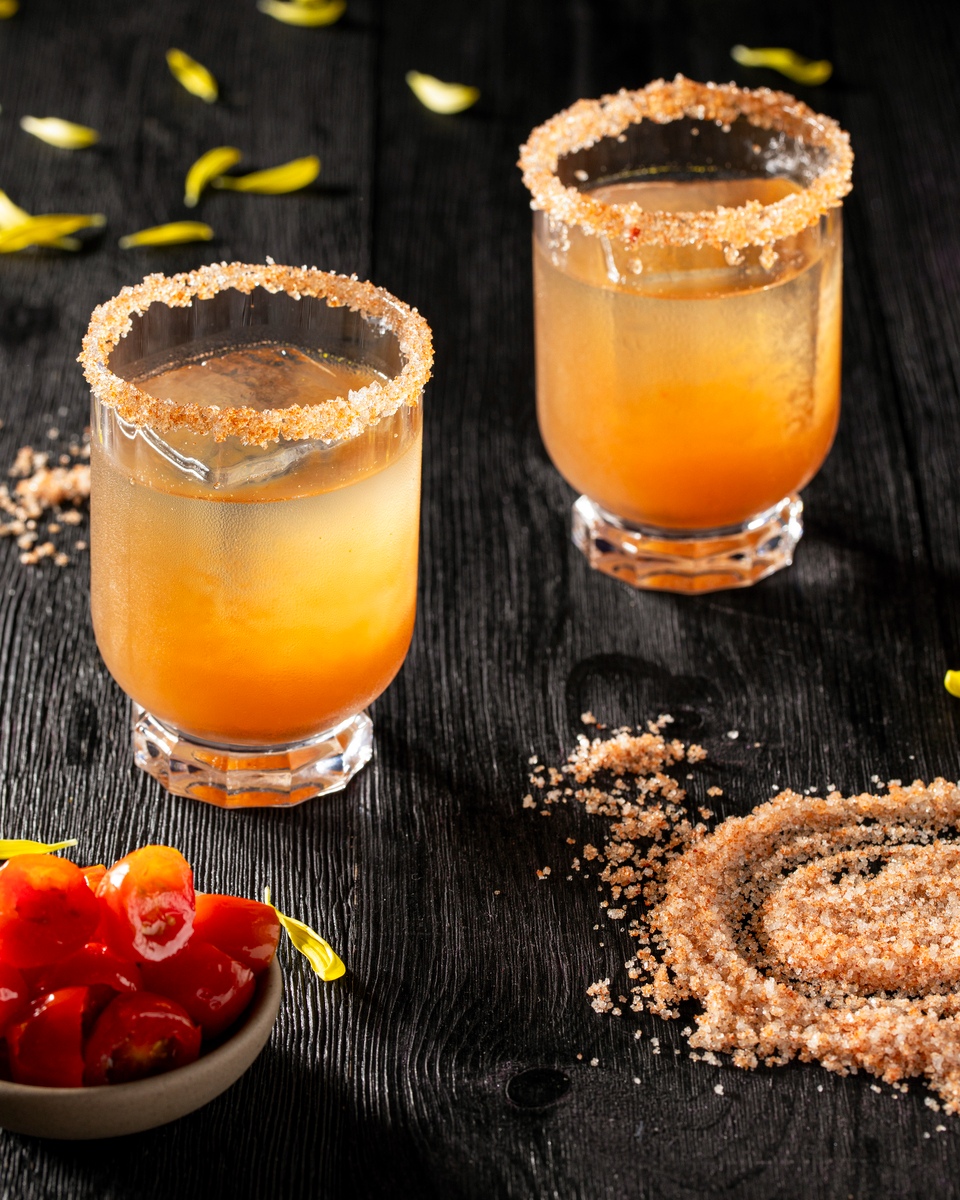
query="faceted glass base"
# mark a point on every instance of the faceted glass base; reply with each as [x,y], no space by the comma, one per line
[251,776]
[709,560]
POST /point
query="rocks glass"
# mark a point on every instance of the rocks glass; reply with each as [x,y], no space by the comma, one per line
[687,272]
[256,439]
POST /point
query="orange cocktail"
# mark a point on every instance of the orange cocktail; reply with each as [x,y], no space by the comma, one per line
[254,590]
[297,606]
[687,275]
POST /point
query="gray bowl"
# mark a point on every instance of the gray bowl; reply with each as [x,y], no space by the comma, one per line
[102,1112]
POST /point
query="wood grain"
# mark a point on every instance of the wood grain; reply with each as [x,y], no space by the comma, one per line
[465,970]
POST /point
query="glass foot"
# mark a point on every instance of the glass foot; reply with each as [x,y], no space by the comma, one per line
[698,561]
[251,776]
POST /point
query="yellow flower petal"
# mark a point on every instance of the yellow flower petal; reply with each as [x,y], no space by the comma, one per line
[305,13]
[10,213]
[47,230]
[951,681]
[57,132]
[8,8]
[319,953]
[787,62]
[11,847]
[13,214]
[174,233]
[208,166]
[441,97]
[288,177]
[192,75]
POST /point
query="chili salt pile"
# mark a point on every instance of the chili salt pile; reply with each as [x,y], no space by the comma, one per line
[59,488]
[815,928]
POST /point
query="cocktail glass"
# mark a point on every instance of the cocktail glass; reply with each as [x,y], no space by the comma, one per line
[256,438]
[687,275]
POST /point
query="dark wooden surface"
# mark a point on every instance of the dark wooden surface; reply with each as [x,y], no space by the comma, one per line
[464,969]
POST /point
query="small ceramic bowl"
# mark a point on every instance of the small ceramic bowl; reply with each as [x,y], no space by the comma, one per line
[102,1112]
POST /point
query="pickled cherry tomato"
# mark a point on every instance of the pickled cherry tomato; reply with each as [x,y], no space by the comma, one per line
[93,875]
[211,986]
[139,1035]
[245,929]
[148,903]
[46,1047]
[93,964]
[13,995]
[46,910]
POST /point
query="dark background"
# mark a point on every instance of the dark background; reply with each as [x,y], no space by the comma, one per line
[464,969]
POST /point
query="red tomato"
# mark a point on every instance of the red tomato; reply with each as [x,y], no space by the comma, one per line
[211,986]
[46,910]
[46,1047]
[92,964]
[140,1035]
[245,929]
[13,995]
[148,903]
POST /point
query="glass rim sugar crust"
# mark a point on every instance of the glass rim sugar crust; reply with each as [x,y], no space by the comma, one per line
[332,421]
[588,122]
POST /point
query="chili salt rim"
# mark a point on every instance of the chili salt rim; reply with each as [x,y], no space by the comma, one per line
[334,420]
[752,224]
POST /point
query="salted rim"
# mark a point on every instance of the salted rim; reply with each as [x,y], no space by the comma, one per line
[333,420]
[752,224]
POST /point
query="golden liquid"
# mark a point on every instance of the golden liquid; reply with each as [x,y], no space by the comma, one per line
[695,394]
[259,613]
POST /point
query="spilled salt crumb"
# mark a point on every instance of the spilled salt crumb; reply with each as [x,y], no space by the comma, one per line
[587,718]
[718,1088]
[62,491]
[600,992]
